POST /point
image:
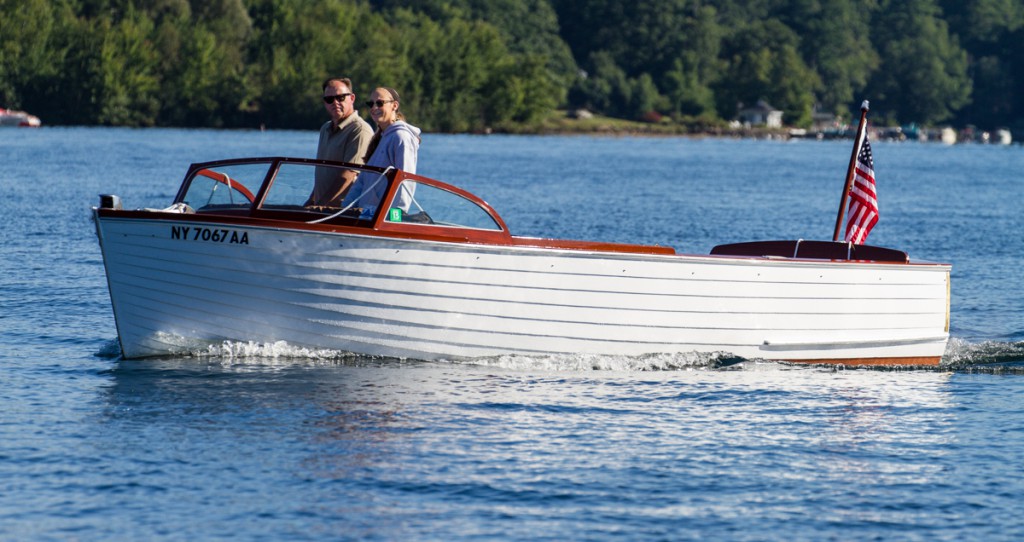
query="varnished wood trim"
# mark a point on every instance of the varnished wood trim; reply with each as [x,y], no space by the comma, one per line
[902,362]
[591,245]
[417,232]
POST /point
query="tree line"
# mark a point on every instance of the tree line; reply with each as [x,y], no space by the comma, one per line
[467,65]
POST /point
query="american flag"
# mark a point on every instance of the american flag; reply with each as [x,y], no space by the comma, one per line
[862,213]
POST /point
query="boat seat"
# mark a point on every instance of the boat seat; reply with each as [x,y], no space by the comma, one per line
[819,250]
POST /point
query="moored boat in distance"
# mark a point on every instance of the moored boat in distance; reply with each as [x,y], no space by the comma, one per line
[434,273]
[9,117]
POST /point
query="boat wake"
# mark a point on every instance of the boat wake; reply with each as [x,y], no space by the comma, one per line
[276,350]
[987,356]
[281,352]
[110,350]
[240,352]
[596,362]
[960,356]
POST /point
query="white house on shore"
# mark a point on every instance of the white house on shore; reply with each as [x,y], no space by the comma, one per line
[760,114]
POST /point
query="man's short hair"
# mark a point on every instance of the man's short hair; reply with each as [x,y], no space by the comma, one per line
[343,80]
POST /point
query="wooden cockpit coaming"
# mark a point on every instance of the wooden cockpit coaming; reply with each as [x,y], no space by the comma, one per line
[286,220]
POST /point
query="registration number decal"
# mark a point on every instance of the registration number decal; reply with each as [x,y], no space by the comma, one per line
[213,235]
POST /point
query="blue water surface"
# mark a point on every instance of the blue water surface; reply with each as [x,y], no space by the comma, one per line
[273,442]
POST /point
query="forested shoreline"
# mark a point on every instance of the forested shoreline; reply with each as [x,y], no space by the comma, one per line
[475,65]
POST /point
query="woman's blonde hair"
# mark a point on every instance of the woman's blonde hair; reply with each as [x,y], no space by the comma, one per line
[394,96]
[375,140]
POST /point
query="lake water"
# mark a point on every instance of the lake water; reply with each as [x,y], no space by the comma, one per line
[273,442]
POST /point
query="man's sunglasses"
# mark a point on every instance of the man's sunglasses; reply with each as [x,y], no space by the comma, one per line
[378,103]
[336,98]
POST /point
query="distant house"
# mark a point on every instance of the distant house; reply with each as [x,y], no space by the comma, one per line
[761,114]
[823,121]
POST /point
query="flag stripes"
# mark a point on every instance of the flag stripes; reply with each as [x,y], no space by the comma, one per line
[862,212]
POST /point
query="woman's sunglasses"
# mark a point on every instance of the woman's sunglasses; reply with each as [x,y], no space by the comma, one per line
[378,103]
[336,98]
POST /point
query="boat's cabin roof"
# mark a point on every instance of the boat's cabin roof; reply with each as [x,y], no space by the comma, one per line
[390,201]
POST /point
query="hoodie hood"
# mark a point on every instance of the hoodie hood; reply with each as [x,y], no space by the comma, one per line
[398,147]
[401,125]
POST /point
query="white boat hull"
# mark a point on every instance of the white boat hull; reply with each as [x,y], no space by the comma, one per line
[434,300]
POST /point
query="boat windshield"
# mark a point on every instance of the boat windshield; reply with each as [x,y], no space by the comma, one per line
[299,186]
[427,204]
[318,187]
[225,187]
[296,186]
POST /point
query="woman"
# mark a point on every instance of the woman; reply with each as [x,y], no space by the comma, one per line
[395,144]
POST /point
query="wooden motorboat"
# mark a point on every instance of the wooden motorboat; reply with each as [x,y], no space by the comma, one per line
[435,273]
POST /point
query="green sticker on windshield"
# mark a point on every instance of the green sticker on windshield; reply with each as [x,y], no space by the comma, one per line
[395,215]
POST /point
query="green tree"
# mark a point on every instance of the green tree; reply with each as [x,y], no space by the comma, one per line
[130,73]
[472,64]
[923,72]
[668,52]
[696,67]
[208,88]
[835,43]
[28,29]
[296,46]
[72,93]
[459,58]
[521,89]
[988,30]
[982,24]
[687,94]
[764,63]
[605,88]
[528,27]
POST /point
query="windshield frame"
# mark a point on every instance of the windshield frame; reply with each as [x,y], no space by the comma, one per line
[377,220]
[273,165]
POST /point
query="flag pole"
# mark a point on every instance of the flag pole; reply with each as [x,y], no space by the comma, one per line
[858,142]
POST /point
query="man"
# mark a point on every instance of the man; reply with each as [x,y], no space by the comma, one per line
[344,138]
